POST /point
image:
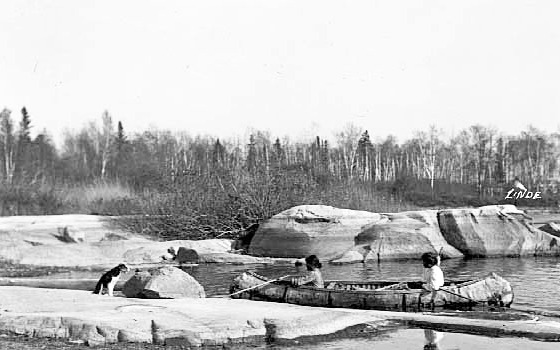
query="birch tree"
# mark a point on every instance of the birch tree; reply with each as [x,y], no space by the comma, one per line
[7,141]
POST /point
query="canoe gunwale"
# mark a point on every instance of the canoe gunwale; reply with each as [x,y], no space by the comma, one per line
[411,298]
[410,291]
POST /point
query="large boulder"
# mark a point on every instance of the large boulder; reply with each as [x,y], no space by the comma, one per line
[310,229]
[494,231]
[163,283]
[552,227]
[244,240]
[404,235]
[345,236]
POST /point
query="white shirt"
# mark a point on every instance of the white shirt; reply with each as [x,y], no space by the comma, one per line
[313,277]
[433,278]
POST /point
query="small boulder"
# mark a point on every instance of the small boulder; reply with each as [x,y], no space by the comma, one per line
[135,284]
[187,256]
[163,283]
[349,257]
[70,235]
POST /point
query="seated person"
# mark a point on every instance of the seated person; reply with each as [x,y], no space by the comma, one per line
[433,276]
[313,277]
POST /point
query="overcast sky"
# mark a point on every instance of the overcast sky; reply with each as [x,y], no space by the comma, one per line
[292,67]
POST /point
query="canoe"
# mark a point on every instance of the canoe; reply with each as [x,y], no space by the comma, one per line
[490,291]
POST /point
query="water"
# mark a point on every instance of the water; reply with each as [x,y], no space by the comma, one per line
[535,281]
[417,339]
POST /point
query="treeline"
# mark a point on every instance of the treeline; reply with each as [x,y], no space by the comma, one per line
[202,186]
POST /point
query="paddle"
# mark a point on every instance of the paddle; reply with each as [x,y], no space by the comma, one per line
[439,253]
[253,287]
[444,290]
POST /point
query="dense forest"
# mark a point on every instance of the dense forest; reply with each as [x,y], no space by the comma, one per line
[197,187]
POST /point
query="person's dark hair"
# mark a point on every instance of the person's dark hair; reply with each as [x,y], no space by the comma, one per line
[429,259]
[431,347]
[312,261]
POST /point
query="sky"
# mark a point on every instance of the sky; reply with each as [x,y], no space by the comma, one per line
[294,68]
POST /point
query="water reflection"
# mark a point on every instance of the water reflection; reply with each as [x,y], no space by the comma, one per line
[432,339]
[413,339]
[534,280]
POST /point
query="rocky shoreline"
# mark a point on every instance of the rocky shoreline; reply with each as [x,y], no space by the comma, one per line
[89,241]
[348,236]
[195,322]
[335,235]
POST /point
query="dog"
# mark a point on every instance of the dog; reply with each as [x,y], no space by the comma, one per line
[109,279]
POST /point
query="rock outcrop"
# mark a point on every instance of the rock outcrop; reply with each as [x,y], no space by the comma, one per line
[404,235]
[345,236]
[163,283]
[333,234]
[494,231]
[97,320]
[89,240]
[75,315]
[325,231]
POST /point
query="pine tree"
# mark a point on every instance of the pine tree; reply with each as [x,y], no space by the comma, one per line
[252,154]
[218,154]
[279,157]
[364,156]
[120,149]
[24,126]
[121,138]
[23,148]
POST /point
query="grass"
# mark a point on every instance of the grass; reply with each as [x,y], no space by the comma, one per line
[103,198]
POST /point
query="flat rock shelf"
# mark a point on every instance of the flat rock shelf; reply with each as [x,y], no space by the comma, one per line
[80,315]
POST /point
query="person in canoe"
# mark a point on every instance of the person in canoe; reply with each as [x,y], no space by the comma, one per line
[313,277]
[433,276]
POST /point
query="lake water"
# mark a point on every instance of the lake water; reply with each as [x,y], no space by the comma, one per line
[535,281]
[416,339]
